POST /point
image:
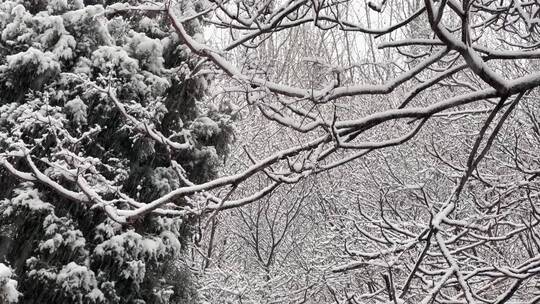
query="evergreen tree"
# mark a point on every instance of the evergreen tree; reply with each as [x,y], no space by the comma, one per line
[79,83]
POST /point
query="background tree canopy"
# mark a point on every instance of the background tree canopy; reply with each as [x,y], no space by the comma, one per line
[383,151]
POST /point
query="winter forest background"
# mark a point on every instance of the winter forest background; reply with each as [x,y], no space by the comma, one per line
[269,151]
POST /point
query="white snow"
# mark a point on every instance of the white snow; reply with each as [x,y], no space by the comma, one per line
[28,197]
[42,62]
[74,276]
[8,286]
[77,109]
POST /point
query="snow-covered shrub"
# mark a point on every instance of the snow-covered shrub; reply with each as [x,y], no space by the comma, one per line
[59,61]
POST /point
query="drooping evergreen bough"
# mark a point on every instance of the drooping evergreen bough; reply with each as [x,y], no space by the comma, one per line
[58,58]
